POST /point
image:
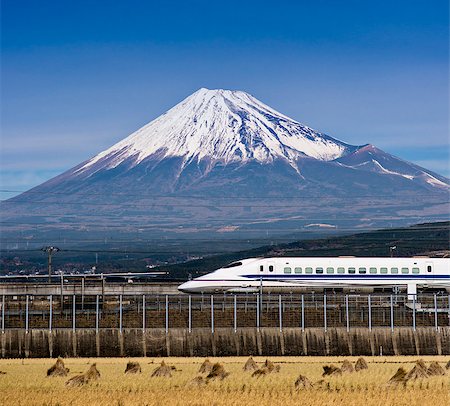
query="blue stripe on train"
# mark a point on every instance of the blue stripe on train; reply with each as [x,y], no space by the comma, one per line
[340,276]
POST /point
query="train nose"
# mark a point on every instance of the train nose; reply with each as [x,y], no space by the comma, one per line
[186,287]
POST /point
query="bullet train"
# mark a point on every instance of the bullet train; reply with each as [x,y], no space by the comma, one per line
[317,273]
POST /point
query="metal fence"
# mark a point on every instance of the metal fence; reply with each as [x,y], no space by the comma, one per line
[224,311]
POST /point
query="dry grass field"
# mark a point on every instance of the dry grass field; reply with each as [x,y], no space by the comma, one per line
[25,382]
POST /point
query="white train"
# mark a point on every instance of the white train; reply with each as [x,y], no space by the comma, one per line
[316,273]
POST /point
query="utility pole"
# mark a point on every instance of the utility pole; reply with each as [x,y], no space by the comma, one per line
[50,250]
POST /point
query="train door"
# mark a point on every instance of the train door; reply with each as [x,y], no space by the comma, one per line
[265,272]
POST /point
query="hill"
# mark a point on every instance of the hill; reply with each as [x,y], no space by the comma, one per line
[431,239]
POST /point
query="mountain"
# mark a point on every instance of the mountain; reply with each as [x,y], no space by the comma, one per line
[221,161]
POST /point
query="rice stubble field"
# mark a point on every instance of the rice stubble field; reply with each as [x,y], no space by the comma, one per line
[179,382]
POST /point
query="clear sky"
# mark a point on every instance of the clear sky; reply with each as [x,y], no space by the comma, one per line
[77,76]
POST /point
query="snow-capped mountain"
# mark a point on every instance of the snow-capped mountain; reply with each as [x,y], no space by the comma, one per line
[222,125]
[178,170]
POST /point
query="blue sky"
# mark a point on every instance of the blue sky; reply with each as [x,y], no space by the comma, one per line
[77,76]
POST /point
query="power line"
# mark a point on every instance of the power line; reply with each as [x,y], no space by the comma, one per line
[246,241]
[214,253]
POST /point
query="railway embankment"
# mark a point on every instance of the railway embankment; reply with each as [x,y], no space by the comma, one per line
[134,342]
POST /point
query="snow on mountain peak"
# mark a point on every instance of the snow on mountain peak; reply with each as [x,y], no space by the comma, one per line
[223,125]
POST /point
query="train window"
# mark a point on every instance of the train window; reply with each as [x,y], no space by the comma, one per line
[429,268]
[232,265]
[362,270]
[341,270]
[270,268]
[261,268]
[298,270]
[308,270]
[373,270]
[319,270]
[287,270]
[383,270]
[405,270]
[415,270]
[330,270]
[394,270]
[351,270]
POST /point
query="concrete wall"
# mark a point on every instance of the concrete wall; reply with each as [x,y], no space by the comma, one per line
[223,342]
[45,289]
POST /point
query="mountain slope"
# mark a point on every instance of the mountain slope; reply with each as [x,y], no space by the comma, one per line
[222,160]
[370,158]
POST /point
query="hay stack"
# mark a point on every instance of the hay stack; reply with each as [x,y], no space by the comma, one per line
[217,372]
[58,369]
[92,373]
[399,377]
[206,367]
[163,370]
[133,368]
[347,366]
[78,380]
[419,371]
[447,365]
[271,367]
[303,382]
[197,381]
[361,364]
[250,365]
[331,370]
[260,372]
[435,369]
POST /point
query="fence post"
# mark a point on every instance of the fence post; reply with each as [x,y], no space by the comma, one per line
[392,313]
[369,302]
[448,298]
[435,313]
[325,312]
[167,314]
[82,292]
[212,314]
[120,314]
[97,308]
[74,313]
[414,312]
[62,291]
[26,314]
[257,312]
[3,313]
[303,314]
[280,313]
[190,314]
[235,313]
[50,316]
[143,313]
[346,313]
